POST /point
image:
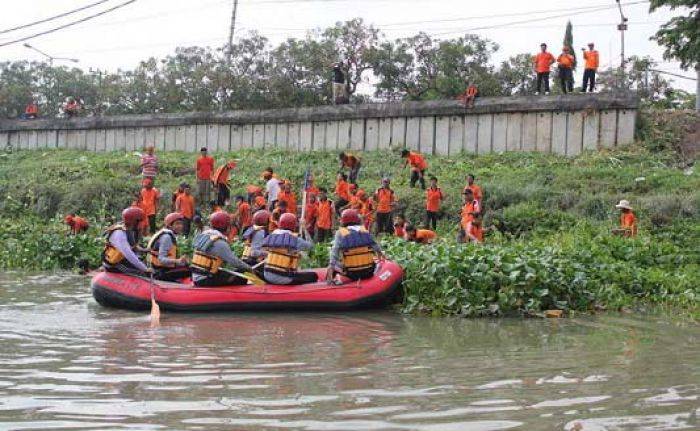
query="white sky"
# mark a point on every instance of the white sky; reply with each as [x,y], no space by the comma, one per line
[155,27]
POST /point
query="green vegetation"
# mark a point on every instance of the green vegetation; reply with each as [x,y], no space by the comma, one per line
[549,247]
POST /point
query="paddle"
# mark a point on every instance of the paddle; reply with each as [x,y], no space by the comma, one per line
[155,309]
[248,276]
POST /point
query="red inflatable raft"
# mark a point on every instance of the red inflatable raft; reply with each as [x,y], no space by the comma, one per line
[134,293]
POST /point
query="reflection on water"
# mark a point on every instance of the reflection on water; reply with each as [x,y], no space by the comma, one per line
[67,363]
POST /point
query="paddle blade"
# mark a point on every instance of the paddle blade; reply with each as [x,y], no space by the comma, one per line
[155,314]
[253,278]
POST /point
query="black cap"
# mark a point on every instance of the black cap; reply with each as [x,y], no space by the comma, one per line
[203,149]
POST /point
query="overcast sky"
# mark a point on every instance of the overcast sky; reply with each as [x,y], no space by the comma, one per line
[155,27]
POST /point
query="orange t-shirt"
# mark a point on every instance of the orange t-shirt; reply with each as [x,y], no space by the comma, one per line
[543,60]
[311,213]
[476,232]
[204,167]
[417,161]
[400,231]
[245,218]
[385,198]
[425,236]
[566,60]
[342,190]
[350,161]
[592,59]
[476,190]
[467,210]
[260,202]
[367,209]
[253,190]
[185,205]
[325,215]
[221,175]
[149,200]
[32,109]
[313,190]
[291,200]
[433,197]
[79,225]
[629,221]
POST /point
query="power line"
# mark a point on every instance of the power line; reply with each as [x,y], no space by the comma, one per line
[51,18]
[690,78]
[61,27]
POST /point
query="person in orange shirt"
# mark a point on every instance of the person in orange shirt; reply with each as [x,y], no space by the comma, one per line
[470,209]
[324,218]
[252,191]
[400,226]
[474,232]
[178,191]
[220,181]
[421,236]
[185,205]
[385,200]
[366,210]
[342,191]
[566,66]
[204,168]
[418,166]
[259,203]
[628,222]
[433,199]
[76,224]
[243,216]
[353,163]
[288,196]
[311,189]
[476,190]
[149,202]
[592,62]
[276,214]
[543,62]
[469,96]
[311,214]
[31,112]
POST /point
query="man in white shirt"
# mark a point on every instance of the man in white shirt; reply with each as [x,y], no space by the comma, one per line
[272,188]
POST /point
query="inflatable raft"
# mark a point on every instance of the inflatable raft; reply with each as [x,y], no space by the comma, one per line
[134,293]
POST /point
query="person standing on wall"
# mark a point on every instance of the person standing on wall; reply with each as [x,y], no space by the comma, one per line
[339,95]
[592,61]
[204,168]
[543,62]
[565,63]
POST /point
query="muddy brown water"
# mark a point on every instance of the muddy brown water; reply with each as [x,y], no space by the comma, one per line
[67,363]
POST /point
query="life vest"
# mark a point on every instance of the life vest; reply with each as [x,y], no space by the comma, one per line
[203,262]
[154,247]
[248,240]
[110,254]
[356,246]
[282,253]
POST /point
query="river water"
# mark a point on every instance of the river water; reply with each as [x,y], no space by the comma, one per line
[67,363]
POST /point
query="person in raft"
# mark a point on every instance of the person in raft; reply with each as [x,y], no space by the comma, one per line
[354,250]
[253,238]
[283,249]
[628,222]
[162,250]
[121,242]
[421,236]
[76,224]
[212,252]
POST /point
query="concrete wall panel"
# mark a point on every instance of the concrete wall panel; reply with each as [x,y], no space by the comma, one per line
[14,140]
[201,138]
[224,137]
[529,142]
[191,143]
[140,139]
[574,134]
[427,135]
[101,140]
[515,129]
[413,133]
[91,140]
[456,144]
[331,133]
[471,133]
[442,135]
[281,135]
[61,137]
[384,133]
[371,134]
[319,136]
[180,141]
[270,135]
[485,134]
[591,130]
[398,132]
[246,136]
[544,132]
[559,124]
[500,133]
[213,138]
[259,136]
[306,136]
[236,137]
[294,137]
[608,128]
[625,126]
[344,134]
[357,134]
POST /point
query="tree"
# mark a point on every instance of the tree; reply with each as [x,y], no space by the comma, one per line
[569,42]
[515,75]
[681,36]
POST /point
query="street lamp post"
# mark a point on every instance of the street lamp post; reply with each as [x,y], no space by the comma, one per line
[51,59]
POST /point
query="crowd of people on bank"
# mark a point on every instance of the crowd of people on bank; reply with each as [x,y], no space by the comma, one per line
[275,227]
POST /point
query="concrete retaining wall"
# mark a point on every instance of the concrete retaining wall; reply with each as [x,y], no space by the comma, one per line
[564,125]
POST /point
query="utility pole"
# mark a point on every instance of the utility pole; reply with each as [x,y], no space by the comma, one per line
[230,35]
[622,27]
[697,88]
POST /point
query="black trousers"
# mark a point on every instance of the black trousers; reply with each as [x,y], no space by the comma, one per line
[543,78]
[384,223]
[354,172]
[431,219]
[339,204]
[222,195]
[302,277]
[221,279]
[566,80]
[173,274]
[187,225]
[152,223]
[588,80]
[323,235]
[418,176]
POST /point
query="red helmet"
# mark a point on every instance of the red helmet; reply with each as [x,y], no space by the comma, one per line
[69,219]
[350,216]
[172,218]
[288,221]
[261,218]
[220,220]
[132,216]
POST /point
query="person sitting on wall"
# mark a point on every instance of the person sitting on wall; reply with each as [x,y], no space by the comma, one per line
[31,112]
